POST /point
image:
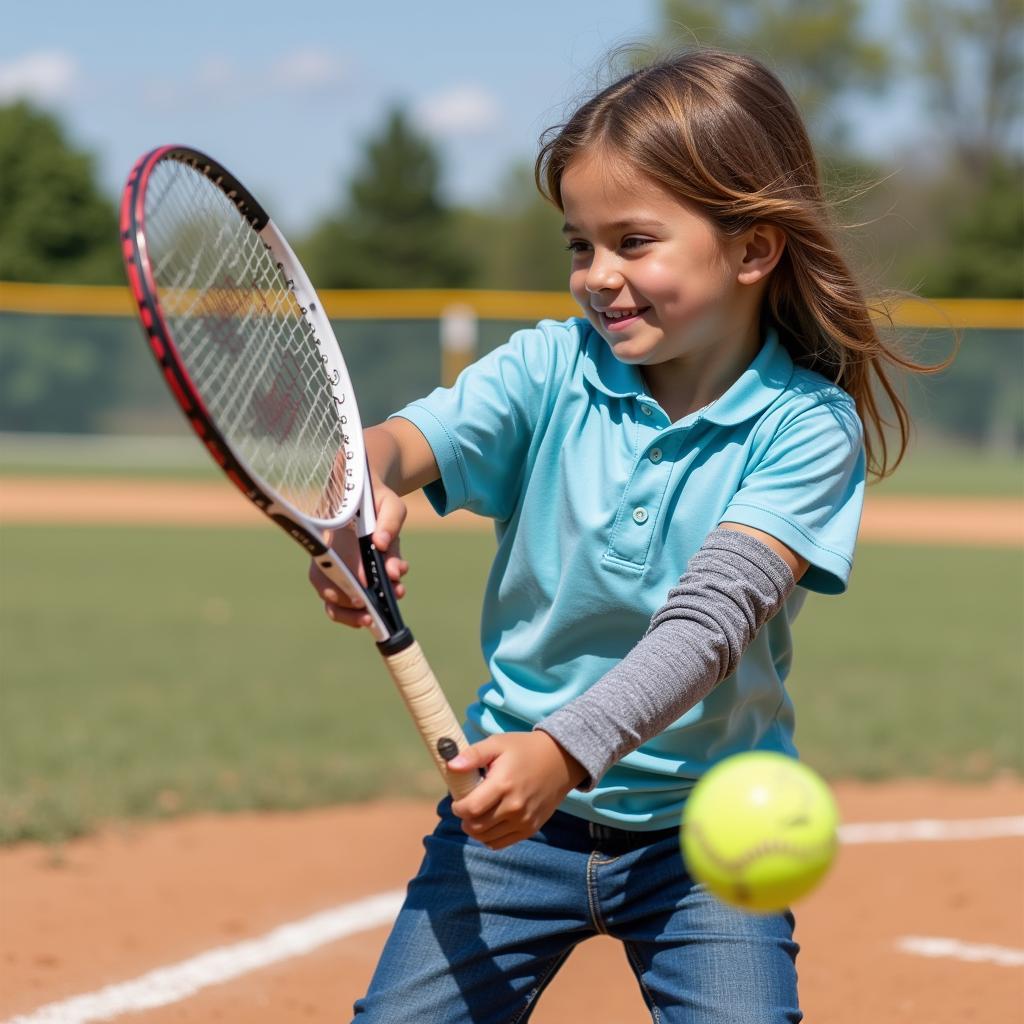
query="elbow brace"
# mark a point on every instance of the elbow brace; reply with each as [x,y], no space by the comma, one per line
[732,586]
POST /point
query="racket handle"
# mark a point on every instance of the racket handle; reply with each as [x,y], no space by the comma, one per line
[432,714]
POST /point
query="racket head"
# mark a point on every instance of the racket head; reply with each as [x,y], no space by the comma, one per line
[249,355]
[245,346]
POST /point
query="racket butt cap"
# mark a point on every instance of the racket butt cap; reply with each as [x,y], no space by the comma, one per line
[447,748]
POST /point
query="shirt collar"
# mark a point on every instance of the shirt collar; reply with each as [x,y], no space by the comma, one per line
[603,371]
[753,391]
[760,384]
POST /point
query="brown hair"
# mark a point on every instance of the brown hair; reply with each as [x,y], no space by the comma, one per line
[720,130]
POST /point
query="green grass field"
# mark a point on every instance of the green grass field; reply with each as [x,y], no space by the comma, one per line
[152,672]
[171,457]
[955,472]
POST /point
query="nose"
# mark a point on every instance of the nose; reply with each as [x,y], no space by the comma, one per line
[603,274]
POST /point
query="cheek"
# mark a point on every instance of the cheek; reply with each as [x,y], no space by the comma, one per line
[664,283]
[682,283]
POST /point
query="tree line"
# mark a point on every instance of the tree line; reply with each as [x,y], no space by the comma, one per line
[947,221]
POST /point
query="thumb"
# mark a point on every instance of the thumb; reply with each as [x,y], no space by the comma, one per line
[391,513]
[477,756]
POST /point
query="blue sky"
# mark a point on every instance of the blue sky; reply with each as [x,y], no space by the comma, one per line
[284,94]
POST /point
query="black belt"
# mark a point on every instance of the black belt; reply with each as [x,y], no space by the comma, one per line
[568,831]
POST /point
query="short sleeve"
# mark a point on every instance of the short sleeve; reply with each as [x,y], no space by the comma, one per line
[807,490]
[480,429]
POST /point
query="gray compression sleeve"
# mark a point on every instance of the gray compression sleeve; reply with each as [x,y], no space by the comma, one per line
[732,586]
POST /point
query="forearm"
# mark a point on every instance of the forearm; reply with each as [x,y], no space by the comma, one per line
[732,586]
[399,456]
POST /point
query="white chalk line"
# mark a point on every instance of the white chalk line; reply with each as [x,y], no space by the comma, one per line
[172,984]
[954,949]
[930,830]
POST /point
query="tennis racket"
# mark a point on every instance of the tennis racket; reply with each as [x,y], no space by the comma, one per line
[249,354]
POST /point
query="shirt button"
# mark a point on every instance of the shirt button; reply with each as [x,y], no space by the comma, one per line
[646,410]
[640,515]
[655,455]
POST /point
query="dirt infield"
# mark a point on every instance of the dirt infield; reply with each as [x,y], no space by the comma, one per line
[138,897]
[988,522]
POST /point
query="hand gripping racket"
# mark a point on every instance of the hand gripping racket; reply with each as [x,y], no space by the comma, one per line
[249,354]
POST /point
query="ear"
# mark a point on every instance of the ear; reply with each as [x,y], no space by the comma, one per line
[761,249]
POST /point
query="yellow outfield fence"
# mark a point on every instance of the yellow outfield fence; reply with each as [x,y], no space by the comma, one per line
[434,304]
[74,363]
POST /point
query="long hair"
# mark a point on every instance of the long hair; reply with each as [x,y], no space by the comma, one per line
[720,130]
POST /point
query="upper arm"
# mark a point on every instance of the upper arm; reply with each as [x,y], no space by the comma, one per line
[401,456]
[480,430]
[804,491]
[798,565]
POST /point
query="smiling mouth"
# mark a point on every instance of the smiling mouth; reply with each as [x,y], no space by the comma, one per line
[617,319]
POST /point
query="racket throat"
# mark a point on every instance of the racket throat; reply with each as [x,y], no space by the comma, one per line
[383,598]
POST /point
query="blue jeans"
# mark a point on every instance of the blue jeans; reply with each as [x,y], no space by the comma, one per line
[482,932]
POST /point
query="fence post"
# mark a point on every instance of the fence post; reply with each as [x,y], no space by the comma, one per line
[458,341]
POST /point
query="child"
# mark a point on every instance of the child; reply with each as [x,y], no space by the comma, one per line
[662,471]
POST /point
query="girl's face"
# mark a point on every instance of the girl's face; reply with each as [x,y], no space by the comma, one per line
[652,275]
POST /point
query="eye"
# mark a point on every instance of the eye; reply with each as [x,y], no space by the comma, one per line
[577,246]
[635,242]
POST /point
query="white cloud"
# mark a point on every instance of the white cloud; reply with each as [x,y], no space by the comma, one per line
[308,70]
[44,76]
[216,72]
[464,110]
[218,81]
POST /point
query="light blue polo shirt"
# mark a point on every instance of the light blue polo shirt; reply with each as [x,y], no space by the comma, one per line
[599,502]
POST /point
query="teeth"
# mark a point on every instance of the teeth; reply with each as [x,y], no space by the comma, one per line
[618,314]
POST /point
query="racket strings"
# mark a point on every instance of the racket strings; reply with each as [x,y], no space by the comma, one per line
[241,334]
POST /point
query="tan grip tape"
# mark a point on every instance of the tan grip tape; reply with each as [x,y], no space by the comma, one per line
[430,711]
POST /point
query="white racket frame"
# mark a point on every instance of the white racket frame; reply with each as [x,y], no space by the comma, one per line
[433,716]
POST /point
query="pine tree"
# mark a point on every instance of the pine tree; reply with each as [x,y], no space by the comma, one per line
[395,230]
[56,224]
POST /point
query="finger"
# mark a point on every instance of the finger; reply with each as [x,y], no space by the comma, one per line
[391,513]
[496,829]
[475,760]
[331,593]
[354,617]
[475,757]
[489,825]
[500,839]
[479,805]
[328,590]
[317,578]
[344,546]
[396,568]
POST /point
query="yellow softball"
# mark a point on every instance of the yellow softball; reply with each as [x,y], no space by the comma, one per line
[760,830]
